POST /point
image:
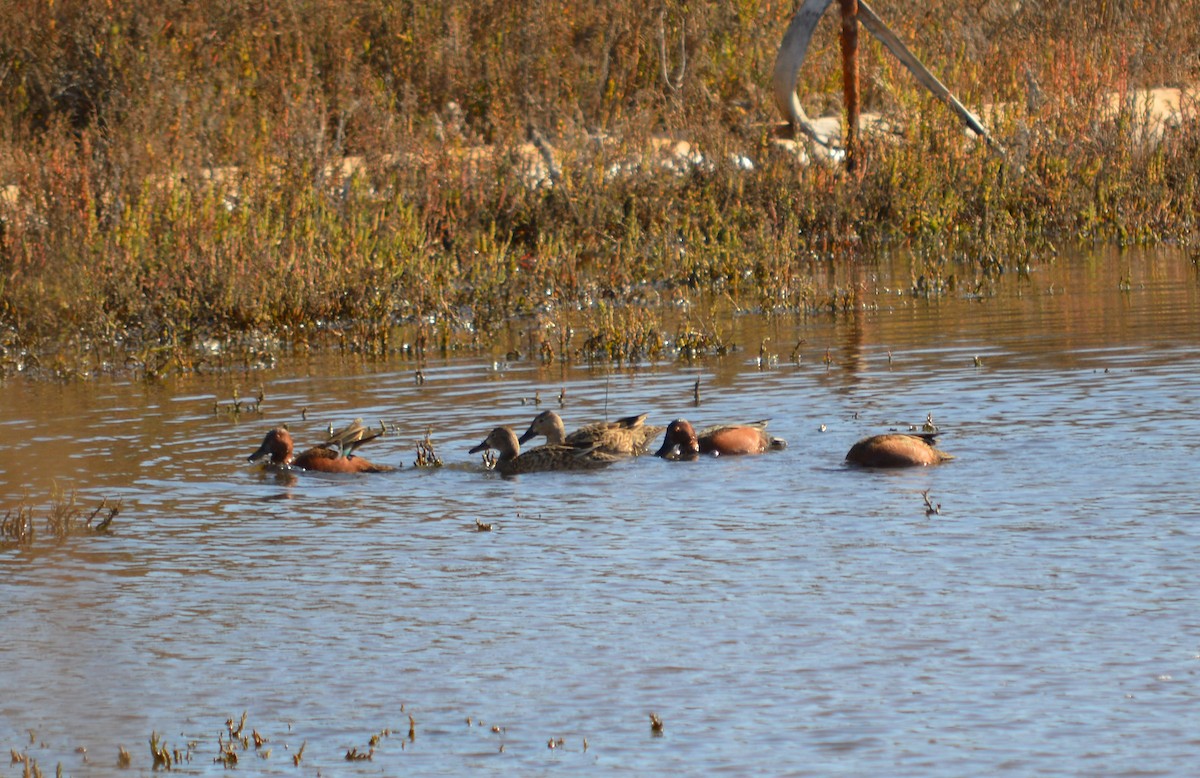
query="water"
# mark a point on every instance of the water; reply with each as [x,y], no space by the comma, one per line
[782,614]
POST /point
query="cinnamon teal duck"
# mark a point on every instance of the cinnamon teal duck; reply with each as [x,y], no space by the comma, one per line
[335,455]
[897,449]
[683,442]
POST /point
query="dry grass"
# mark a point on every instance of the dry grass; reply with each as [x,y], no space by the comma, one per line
[187,184]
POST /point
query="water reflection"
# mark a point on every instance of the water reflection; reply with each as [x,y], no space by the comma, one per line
[782,614]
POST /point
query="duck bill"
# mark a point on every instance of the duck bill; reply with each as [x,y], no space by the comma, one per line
[529,435]
[481,447]
[675,450]
[257,455]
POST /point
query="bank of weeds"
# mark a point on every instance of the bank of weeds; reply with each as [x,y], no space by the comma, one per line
[177,195]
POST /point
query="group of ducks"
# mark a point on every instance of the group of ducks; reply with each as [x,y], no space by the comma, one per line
[597,445]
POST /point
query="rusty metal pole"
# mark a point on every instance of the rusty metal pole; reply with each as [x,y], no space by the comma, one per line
[850,78]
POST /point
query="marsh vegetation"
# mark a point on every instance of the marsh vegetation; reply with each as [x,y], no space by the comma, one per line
[190,186]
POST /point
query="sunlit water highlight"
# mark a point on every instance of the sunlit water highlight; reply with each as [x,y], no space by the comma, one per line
[783,614]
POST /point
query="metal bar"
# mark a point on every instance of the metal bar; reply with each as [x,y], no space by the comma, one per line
[888,38]
[850,79]
[787,64]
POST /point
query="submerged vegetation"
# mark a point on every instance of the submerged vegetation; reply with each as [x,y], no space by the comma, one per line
[186,184]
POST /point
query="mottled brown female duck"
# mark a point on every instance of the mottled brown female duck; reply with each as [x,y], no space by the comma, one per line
[897,449]
[629,436]
[683,442]
[540,458]
[336,455]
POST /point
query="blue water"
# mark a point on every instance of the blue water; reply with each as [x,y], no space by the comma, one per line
[782,614]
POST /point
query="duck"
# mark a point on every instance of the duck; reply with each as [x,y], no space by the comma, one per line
[629,436]
[540,458]
[897,449]
[335,455]
[683,442]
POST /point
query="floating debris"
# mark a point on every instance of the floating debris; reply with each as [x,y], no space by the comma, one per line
[656,724]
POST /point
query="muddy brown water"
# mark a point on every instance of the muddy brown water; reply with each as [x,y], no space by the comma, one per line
[782,614]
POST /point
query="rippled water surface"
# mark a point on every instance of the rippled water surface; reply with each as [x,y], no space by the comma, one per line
[782,614]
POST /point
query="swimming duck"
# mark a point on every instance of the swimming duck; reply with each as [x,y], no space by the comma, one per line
[897,449]
[333,456]
[683,442]
[629,436]
[549,457]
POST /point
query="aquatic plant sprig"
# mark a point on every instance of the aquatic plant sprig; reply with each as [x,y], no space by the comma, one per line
[930,508]
[237,406]
[354,755]
[17,526]
[426,454]
[691,343]
[164,757]
[65,519]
